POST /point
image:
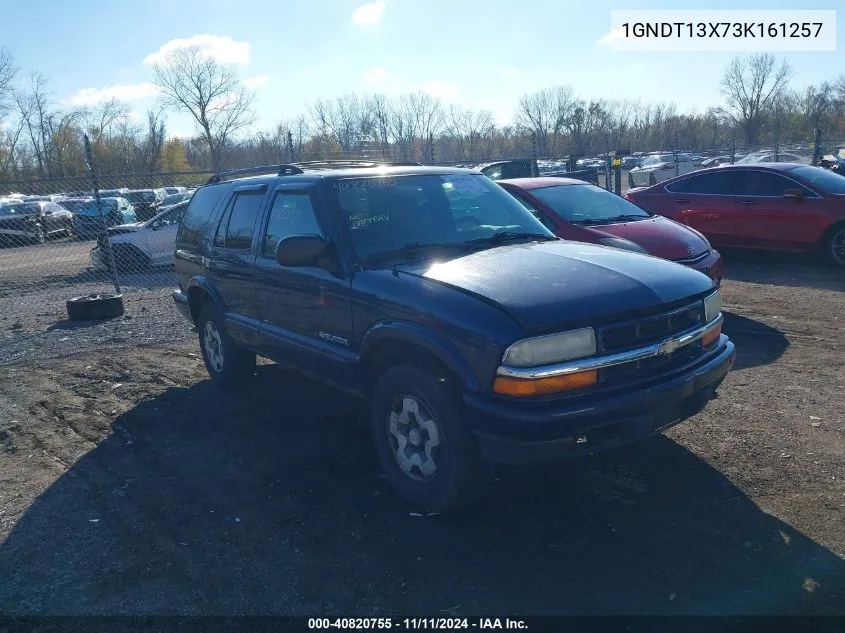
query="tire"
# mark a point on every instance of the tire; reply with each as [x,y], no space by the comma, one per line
[652,180]
[40,235]
[630,181]
[835,245]
[95,307]
[438,437]
[229,365]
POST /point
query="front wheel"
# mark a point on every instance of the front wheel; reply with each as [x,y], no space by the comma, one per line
[426,449]
[228,364]
[836,245]
[40,235]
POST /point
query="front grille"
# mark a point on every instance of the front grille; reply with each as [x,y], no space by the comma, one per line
[619,337]
[651,367]
[693,260]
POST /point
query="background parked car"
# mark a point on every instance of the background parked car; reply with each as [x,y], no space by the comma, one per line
[659,167]
[142,244]
[175,198]
[113,193]
[582,212]
[87,223]
[34,221]
[771,157]
[145,202]
[74,204]
[174,190]
[778,206]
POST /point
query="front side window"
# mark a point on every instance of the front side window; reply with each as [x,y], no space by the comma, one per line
[382,214]
[291,214]
[765,184]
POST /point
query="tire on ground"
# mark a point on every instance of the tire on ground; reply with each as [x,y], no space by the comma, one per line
[461,473]
[229,365]
[95,307]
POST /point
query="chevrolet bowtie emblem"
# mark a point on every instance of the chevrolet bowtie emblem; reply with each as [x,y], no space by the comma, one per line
[668,346]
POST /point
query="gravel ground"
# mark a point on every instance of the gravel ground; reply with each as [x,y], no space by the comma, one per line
[129,485]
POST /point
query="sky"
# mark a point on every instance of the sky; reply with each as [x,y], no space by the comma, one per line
[480,54]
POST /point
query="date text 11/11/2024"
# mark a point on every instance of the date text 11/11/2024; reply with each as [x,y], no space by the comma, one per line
[417,624]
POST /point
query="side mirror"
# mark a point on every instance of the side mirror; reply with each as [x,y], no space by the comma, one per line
[155,226]
[793,194]
[300,250]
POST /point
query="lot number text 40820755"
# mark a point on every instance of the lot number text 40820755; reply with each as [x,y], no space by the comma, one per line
[417,624]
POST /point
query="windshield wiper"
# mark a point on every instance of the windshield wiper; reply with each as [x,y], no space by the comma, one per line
[509,236]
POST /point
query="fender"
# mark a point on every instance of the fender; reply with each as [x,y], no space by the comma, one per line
[201,281]
[431,340]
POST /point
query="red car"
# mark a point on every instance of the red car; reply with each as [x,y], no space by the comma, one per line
[776,206]
[578,211]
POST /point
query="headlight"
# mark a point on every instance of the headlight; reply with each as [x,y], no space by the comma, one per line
[625,245]
[554,348]
[712,306]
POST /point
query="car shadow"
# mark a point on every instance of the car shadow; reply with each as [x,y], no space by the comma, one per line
[809,270]
[756,343]
[270,502]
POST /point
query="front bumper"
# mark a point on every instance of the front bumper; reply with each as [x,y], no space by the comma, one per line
[181,301]
[513,432]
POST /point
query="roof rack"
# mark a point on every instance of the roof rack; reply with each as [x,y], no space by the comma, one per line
[280,170]
[345,163]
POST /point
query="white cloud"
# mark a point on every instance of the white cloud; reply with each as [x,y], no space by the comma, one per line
[612,36]
[121,92]
[375,76]
[369,13]
[511,71]
[255,82]
[222,48]
[440,90]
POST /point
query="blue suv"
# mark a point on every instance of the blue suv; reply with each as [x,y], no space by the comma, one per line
[475,335]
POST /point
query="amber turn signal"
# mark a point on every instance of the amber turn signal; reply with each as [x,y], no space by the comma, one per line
[507,386]
[711,336]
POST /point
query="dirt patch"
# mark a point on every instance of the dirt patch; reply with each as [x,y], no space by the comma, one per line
[129,484]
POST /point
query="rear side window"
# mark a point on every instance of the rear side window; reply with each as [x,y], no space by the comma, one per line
[712,183]
[766,184]
[202,205]
[237,226]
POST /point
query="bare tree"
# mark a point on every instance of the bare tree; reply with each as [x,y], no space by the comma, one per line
[153,143]
[99,119]
[342,119]
[379,108]
[8,73]
[543,114]
[750,86]
[468,128]
[210,92]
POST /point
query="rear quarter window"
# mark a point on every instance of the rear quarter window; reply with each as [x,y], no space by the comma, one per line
[192,230]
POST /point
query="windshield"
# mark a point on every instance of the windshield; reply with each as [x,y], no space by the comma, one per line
[821,179]
[587,204]
[140,196]
[385,214]
[90,208]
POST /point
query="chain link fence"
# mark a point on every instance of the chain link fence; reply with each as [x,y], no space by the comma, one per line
[54,243]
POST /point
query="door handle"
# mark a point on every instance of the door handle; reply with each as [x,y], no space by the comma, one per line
[682,201]
[748,202]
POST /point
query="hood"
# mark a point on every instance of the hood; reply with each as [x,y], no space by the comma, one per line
[548,284]
[660,236]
